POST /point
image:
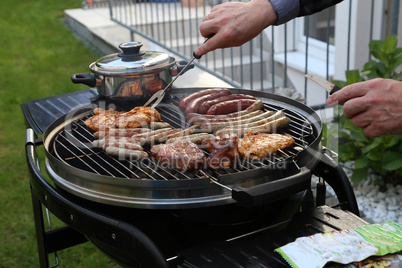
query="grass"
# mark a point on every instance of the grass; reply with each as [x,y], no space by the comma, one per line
[38,55]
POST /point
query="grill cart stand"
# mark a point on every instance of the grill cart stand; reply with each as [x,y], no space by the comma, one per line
[130,246]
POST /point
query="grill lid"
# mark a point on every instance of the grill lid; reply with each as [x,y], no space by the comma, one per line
[131,60]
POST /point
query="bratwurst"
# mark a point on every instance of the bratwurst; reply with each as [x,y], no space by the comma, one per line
[195,105]
[257,105]
[231,106]
[204,107]
[186,100]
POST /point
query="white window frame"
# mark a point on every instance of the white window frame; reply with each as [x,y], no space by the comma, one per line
[296,57]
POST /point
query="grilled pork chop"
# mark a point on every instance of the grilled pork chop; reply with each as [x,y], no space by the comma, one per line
[137,117]
[223,150]
[183,155]
[256,145]
[102,120]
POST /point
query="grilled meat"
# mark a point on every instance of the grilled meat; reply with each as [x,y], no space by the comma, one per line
[101,121]
[195,138]
[126,153]
[104,120]
[152,113]
[132,120]
[256,146]
[181,133]
[255,120]
[183,155]
[258,105]
[119,132]
[231,106]
[223,150]
[137,117]
[271,124]
[219,142]
[184,102]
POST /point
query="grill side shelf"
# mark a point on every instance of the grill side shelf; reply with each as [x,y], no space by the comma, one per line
[258,248]
[40,113]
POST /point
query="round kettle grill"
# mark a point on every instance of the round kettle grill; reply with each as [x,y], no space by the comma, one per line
[79,168]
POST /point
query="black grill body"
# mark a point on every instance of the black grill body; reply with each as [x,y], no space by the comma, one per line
[227,235]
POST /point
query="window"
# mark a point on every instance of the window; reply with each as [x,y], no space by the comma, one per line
[317,26]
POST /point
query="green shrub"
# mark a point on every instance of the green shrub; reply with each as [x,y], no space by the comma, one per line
[381,155]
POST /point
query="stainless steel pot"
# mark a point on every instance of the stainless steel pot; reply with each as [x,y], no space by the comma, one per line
[132,73]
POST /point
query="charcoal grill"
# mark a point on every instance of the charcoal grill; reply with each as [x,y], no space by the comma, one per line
[131,195]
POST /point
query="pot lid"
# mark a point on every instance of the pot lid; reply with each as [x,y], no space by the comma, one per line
[131,60]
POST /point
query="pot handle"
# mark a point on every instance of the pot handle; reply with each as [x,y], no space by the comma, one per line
[274,190]
[86,79]
[180,66]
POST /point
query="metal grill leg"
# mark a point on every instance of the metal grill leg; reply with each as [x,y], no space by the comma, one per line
[40,231]
[51,228]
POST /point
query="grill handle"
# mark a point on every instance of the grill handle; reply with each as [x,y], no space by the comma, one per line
[273,191]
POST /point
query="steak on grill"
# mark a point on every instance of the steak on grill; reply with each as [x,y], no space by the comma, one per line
[223,150]
[103,120]
[183,155]
[256,146]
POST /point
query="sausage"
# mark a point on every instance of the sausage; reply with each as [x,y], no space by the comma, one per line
[271,126]
[98,143]
[186,100]
[257,105]
[195,138]
[139,138]
[212,127]
[154,138]
[159,125]
[195,104]
[208,104]
[120,132]
[125,145]
[127,131]
[102,142]
[262,121]
[100,134]
[126,153]
[148,134]
[185,132]
[231,106]
[201,120]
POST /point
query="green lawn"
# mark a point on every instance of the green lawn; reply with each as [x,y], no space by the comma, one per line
[38,55]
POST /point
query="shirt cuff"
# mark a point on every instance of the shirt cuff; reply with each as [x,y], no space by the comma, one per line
[285,10]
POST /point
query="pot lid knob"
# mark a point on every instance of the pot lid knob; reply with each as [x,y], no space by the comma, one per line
[131,49]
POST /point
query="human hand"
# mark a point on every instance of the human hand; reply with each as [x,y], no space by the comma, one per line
[235,23]
[375,105]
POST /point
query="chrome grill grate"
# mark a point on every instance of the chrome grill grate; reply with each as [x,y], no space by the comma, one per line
[73,147]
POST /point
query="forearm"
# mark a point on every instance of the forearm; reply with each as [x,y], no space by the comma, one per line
[289,9]
[309,7]
[285,10]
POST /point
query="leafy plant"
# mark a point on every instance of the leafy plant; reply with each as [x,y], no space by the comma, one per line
[382,155]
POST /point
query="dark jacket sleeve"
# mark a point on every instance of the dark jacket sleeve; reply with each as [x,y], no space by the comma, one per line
[309,7]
